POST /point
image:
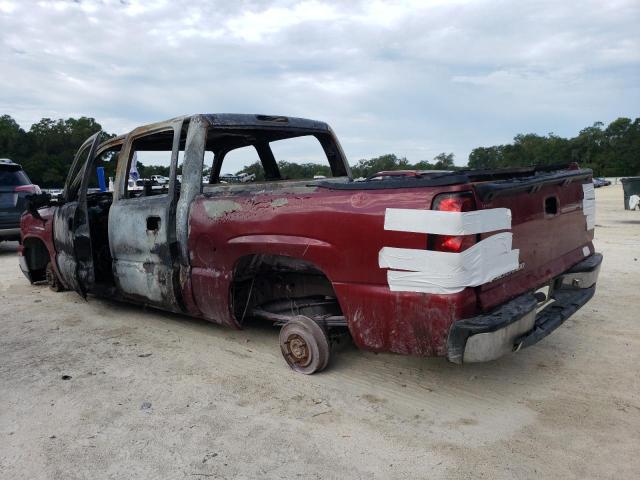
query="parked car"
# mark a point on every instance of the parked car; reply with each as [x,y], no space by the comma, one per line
[159,179]
[469,264]
[14,188]
[236,178]
[133,184]
[601,182]
[246,177]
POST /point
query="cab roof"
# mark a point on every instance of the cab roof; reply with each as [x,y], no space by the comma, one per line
[260,120]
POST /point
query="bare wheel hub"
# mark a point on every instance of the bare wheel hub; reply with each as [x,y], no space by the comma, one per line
[304,345]
[298,350]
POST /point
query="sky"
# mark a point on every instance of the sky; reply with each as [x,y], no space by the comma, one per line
[414,78]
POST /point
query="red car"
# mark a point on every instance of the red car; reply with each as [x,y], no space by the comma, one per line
[469,264]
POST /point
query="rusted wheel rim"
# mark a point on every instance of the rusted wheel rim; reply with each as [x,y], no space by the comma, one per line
[298,350]
[304,345]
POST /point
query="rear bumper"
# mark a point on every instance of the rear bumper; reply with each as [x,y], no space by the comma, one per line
[517,324]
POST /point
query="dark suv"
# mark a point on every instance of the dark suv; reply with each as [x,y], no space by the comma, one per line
[14,188]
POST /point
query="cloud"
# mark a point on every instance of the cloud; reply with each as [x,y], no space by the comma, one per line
[414,78]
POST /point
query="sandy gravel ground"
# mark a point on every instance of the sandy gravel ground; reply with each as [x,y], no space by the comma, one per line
[155,395]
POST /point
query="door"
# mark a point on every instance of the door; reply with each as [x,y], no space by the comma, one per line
[142,233]
[71,225]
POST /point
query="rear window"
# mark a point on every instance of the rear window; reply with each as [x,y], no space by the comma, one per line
[301,158]
[11,176]
[248,155]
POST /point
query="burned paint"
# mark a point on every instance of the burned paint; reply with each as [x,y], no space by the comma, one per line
[219,208]
[279,202]
[285,187]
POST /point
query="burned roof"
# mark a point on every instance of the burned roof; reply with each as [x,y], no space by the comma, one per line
[259,120]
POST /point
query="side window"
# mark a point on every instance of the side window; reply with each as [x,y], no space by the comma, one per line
[241,165]
[300,158]
[268,154]
[208,165]
[149,164]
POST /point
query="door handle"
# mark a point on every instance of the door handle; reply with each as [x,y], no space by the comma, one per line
[153,224]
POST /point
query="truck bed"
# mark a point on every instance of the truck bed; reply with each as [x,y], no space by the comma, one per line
[551,219]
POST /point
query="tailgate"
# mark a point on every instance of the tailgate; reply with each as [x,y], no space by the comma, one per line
[552,221]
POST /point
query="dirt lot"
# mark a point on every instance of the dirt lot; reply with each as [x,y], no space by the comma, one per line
[154,395]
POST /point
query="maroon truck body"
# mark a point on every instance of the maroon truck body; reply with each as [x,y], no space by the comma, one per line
[245,248]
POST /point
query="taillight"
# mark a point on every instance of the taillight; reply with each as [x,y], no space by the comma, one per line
[452,202]
[28,189]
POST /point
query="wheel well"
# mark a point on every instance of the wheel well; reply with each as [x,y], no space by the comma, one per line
[280,281]
[37,257]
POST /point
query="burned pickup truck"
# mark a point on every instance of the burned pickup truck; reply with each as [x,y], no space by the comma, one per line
[469,264]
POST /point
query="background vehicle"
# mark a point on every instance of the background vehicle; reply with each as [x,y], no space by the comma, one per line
[14,188]
[466,264]
[159,179]
[239,178]
[601,182]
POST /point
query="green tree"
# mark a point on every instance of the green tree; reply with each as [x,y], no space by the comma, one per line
[47,149]
[444,161]
[613,150]
[11,137]
[424,165]
[486,158]
[366,168]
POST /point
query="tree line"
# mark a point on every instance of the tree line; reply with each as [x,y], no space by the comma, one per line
[47,149]
[611,151]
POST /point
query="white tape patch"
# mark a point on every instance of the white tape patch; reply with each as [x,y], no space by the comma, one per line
[589,204]
[443,272]
[428,271]
[447,223]
[585,251]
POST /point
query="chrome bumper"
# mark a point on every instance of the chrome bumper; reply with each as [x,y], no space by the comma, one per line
[583,275]
[517,324]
